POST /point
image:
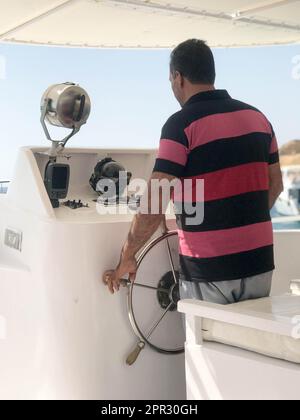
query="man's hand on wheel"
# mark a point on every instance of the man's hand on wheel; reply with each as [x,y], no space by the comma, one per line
[112,278]
[142,229]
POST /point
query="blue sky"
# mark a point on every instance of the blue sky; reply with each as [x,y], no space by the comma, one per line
[130,92]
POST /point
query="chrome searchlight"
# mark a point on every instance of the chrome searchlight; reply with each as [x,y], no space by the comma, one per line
[64,105]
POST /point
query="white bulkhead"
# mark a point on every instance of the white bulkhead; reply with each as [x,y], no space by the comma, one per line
[63,335]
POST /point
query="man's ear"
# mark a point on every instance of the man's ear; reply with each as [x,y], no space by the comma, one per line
[176,75]
[181,80]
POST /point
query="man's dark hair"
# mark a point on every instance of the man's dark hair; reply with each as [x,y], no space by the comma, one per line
[194,60]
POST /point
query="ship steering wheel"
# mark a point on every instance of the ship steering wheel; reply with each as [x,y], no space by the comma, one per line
[163,294]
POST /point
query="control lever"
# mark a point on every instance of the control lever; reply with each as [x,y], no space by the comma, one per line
[132,358]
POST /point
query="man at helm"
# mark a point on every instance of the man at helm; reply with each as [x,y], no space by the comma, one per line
[232,147]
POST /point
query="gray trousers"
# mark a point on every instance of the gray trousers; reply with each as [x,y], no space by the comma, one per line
[227,292]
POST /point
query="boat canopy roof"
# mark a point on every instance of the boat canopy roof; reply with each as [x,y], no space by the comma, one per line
[149,24]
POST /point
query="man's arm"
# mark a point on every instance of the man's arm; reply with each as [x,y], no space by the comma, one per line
[170,165]
[142,229]
[276,184]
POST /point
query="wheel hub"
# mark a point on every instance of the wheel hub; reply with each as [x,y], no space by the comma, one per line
[168,291]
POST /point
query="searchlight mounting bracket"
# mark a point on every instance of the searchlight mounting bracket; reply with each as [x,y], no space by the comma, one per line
[57,145]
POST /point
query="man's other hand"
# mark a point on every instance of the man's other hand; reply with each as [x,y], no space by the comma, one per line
[113,278]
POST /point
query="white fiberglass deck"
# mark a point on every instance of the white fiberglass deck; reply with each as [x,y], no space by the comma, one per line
[245,351]
[280,341]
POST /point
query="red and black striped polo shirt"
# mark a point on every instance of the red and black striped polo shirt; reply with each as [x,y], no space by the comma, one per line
[230,146]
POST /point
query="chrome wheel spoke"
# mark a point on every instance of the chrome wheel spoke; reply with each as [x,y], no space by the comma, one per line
[125,282]
[159,321]
[171,262]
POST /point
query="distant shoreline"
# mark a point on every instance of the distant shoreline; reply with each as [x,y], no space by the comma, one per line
[290,153]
